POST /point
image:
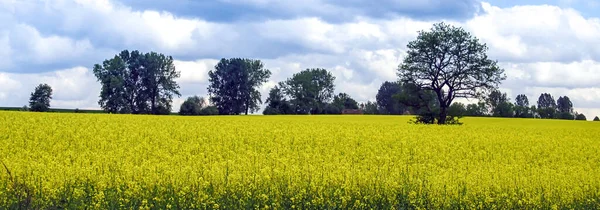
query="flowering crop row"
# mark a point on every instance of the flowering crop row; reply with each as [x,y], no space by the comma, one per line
[102,161]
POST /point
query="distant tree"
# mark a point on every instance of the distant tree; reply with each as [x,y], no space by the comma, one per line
[522,100]
[369,108]
[192,106]
[476,110]
[457,109]
[596,118]
[309,90]
[344,101]
[138,83]
[24,108]
[546,106]
[331,108]
[234,83]
[451,63]
[385,98]
[40,98]
[564,107]
[209,110]
[499,104]
[277,103]
[580,116]
[422,102]
[521,107]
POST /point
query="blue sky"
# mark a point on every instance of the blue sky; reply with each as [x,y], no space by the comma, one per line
[544,46]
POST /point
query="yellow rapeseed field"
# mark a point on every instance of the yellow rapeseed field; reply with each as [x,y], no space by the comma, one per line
[102,161]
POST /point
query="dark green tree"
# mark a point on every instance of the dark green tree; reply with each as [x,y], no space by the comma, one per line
[309,90]
[385,98]
[580,116]
[421,102]
[451,63]
[344,101]
[40,98]
[596,118]
[192,106]
[499,104]
[476,110]
[369,108]
[138,83]
[522,107]
[457,109]
[546,106]
[209,110]
[234,85]
[277,103]
[564,107]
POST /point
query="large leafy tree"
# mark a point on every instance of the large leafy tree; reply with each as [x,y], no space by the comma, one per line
[40,98]
[596,118]
[451,63]
[138,83]
[546,106]
[309,90]
[385,98]
[234,85]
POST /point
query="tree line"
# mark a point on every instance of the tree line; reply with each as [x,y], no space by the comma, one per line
[441,65]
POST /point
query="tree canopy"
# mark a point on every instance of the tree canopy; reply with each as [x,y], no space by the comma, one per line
[451,63]
[309,90]
[138,83]
[234,83]
[385,98]
[192,106]
[546,106]
[40,98]
[596,118]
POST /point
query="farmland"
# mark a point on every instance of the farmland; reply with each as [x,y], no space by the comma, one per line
[104,161]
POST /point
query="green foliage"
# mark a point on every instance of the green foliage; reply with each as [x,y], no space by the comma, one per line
[385,98]
[192,106]
[546,106]
[476,110]
[40,98]
[564,105]
[596,118]
[209,110]
[457,109]
[277,103]
[234,85]
[580,116]
[565,116]
[369,108]
[137,83]
[521,107]
[344,101]
[309,90]
[451,63]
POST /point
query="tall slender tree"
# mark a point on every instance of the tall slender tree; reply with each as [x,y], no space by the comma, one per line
[234,85]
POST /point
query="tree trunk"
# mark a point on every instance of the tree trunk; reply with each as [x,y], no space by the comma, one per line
[443,115]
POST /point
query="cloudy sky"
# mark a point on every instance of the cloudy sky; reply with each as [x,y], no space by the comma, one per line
[545,46]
